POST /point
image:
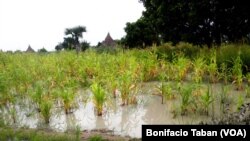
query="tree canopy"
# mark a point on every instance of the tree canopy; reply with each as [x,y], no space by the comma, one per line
[71,39]
[196,21]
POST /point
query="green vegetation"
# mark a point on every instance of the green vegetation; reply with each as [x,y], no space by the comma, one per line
[240,102]
[212,68]
[247,91]
[237,73]
[186,98]
[183,45]
[199,69]
[165,89]
[190,21]
[206,100]
[67,96]
[224,98]
[96,138]
[46,107]
[99,97]
[71,39]
[33,135]
[54,79]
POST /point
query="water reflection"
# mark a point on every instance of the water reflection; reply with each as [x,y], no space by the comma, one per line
[123,120]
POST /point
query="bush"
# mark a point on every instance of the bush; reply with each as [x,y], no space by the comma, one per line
[228,53]
[168,51]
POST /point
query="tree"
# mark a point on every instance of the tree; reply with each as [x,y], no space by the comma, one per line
[140,34]
[84,45]
[42,50]
[71,39]
[196,21]
[59,46]
[75,33]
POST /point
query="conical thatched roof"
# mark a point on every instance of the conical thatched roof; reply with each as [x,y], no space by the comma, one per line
[108,41]
[29,49]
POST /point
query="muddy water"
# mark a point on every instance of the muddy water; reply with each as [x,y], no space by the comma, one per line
[122,120]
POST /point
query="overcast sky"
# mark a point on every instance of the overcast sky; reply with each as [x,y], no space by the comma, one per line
[41,23]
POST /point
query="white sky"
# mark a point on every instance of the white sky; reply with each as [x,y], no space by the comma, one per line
[41,23]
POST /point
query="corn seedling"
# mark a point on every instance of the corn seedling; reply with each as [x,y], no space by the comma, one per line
[247,90]
[113,84]
[46,106]
[182,65]
[99,97]
[223,98]
[125,87]
[165,91]
[161,88]
[133,93]
[198,69]
[150,70]
[240,102]
[186,98]
[206,100]
[37,95]
[13,113]
[212,68]
[237,73]
[224,73]
[175,110]
[248,78]
[67,97]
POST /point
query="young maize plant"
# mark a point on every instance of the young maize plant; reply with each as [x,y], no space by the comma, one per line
[212,68]
[99,97]
[186,98]
[182,65]
[237,73]
[198,69]
[67,96]
[206,100]
[46,106]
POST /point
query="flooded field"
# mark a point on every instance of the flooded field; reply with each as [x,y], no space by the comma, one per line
[121,120]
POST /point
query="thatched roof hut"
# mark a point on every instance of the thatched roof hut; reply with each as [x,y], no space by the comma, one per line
[29,49]
[108,41]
